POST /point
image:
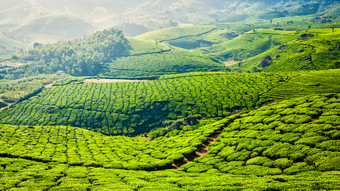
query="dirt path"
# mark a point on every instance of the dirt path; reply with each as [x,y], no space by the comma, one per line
[9,105]
[202,150]
[110,80]
[50,85]
[186,36]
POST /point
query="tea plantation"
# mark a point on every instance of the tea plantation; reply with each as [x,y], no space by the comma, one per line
[248,103]
[292,144]
[283,138]
[316,50]
[133,108]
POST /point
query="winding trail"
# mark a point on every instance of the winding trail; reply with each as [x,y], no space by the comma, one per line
[50,84]
[186,36]
[202,150]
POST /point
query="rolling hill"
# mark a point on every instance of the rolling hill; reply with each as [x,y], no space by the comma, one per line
[109,53]
[318,49]
[133,108]
[248,99]
[293,148]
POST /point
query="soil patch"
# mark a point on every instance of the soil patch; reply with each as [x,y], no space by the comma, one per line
[110,80]
[49,85]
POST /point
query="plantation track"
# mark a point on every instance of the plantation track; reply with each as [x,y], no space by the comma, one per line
[50,84]
[189,36]
[202,150]
[148,53]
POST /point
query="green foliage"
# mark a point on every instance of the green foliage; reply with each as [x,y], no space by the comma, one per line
[78,57]
[283,163]
[133,108]
[249,44]
[12,91]
[291,144]
[317,52]
[78,147]
[34,175]
[161,63]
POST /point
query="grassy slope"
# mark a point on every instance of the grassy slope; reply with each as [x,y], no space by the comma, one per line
[321,48]
[249,44]
[76,146]
[168,61]
[136,107]
[29,175]
[9,46]
[14,90]
[175,32]
[296,148]
[132,108]
[289,137]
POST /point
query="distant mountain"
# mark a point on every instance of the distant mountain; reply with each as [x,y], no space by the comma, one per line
[28,21]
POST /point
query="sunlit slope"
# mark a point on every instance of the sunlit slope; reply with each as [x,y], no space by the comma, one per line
[301,132]
[188,37]
[80,147]
[293,144]
[250,44]
[21,174]
[151,58]
[316,50]
[132,108]
[289,137]
[170,61]
[109,53]
[176,32]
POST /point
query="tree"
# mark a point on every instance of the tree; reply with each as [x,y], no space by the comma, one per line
[37,45]
[14,57]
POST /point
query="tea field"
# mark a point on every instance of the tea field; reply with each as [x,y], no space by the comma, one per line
[133,108]
[292,144]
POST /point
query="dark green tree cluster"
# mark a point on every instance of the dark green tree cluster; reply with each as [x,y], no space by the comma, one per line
[83,56]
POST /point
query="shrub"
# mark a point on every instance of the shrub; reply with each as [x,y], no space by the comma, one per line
[298,168]
[283,163]
[263,161]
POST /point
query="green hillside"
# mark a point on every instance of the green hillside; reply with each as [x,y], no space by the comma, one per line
[247,98]
[316,50]
[171,61]
[176,32]
[12,91]
[109,53]
[132,108]
[249,44]
[289,137]
[293,144]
